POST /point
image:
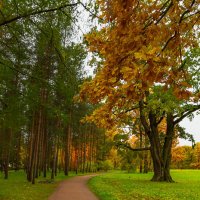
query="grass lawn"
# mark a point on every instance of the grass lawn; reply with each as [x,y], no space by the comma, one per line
[124,186]
[17,188]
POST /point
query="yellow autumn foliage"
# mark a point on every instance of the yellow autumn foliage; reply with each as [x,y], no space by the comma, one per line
[141,44]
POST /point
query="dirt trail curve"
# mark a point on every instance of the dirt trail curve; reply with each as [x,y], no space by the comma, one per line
[74,189]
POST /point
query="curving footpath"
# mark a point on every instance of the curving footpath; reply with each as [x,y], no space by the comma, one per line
[74,189]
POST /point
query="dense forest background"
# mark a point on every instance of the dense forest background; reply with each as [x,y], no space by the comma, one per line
[41,68]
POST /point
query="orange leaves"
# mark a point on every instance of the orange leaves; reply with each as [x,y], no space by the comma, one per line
[182,94]
[178,154]
[162,126]
[113,80]
[140,55]
[148,53]
[141,44]
[101,117]
[185,84]
[128,73]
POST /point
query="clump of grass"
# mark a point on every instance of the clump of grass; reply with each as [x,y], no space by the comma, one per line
[123,186]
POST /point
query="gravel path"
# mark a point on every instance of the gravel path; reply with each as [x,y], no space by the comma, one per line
[74,189]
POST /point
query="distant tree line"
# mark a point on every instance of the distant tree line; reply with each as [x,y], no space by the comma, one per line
[186,157]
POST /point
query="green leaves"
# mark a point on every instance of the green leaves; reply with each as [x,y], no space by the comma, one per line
[162,100]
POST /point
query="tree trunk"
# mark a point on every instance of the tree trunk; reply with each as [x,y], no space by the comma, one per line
[17,162]
[141,153]
[146,156]
[77,161]
[67,155]
[161,155]
[161,169]
[44,167]
[6,152]
[167,147]
[54,161]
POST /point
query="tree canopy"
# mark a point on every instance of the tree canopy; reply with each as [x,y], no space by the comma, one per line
[145,69]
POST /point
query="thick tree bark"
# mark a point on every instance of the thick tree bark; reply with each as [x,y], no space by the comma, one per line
[161,167]
[161,154]
[167,147]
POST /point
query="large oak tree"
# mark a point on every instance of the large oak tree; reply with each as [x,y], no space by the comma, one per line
[144,66]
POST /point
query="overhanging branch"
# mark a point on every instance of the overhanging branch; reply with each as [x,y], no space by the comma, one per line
[186,113]
[132,149]
[166,44]
[164,12]
[37,12]
[186,12]
[87,9]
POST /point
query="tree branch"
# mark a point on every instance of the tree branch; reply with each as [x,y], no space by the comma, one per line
[143,119]
[150,19]
[132,149]
[186,11]
[165,12]
[131,109]
[162,117]
[87,9]
[198,12]
[166,44]
[186,113]
[37,12]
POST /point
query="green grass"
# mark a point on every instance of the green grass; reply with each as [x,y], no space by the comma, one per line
[17,188]
[124,186]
